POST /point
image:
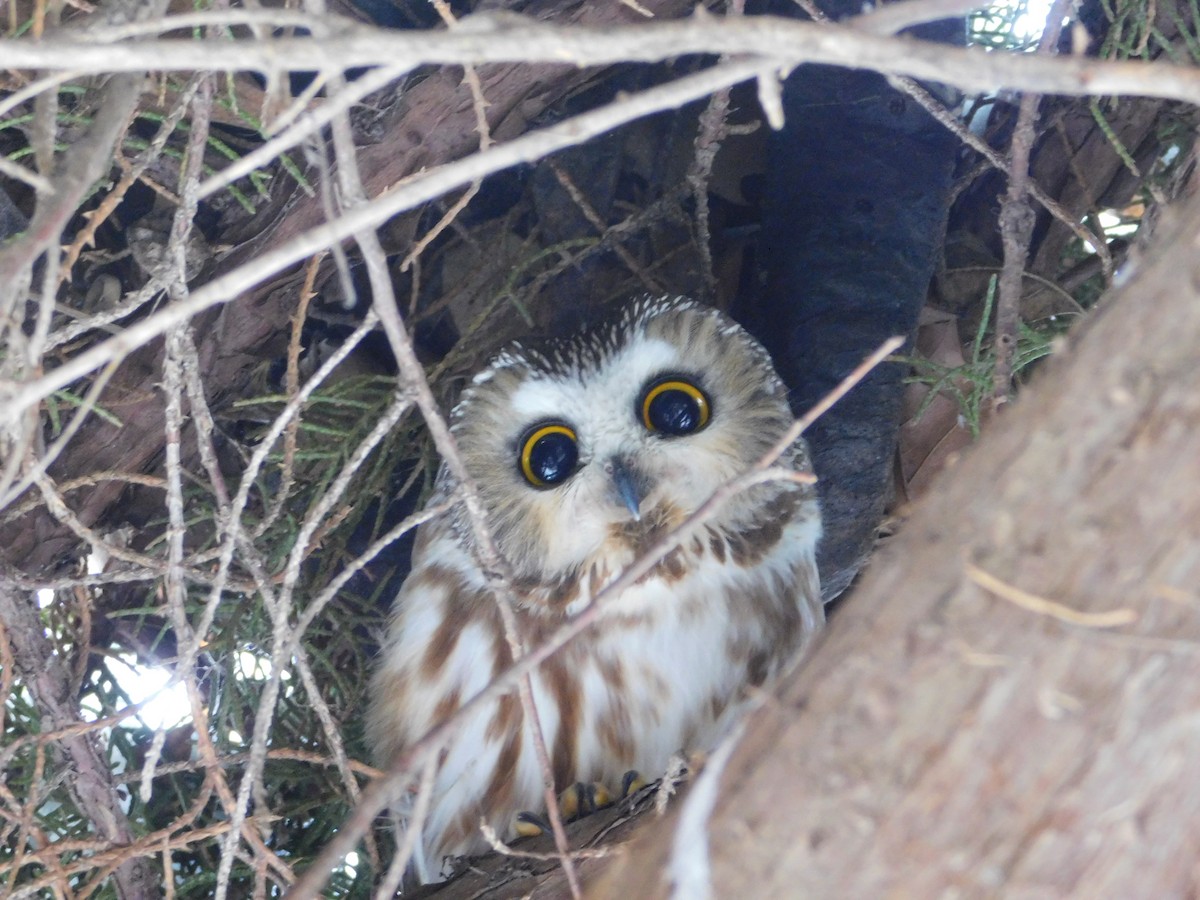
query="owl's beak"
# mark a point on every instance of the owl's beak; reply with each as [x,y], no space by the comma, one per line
[628,485]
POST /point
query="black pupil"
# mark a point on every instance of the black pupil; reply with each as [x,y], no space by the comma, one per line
[553,457]
[675,412]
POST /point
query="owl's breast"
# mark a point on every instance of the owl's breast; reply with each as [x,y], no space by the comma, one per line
[665,668]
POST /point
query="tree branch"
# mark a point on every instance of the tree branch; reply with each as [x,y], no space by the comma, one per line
[46,676]
[508,38]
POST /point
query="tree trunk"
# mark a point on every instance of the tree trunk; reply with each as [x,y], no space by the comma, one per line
[952,736]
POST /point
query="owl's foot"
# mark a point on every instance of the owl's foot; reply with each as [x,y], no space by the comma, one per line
[529,824]
[577,801]
[631,782]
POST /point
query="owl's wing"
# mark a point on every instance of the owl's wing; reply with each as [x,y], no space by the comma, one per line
[445,643]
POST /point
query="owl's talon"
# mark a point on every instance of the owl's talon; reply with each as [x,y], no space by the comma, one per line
[575,802]
[631,782]
[601,796]
[581,800]
[528,824]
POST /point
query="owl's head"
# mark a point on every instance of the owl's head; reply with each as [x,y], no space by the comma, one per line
[596,444]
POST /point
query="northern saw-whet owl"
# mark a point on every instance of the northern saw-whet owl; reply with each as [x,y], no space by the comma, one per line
[585,454]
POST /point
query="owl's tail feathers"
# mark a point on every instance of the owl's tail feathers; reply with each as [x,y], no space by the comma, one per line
[418,870]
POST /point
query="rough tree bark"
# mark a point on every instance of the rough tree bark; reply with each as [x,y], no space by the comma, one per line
[952,737]
[851,236]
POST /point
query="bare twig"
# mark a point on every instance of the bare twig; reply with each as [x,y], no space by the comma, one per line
[413,374]
[35,87]
[712,129]
[955,125]
[1040,605]
[494,566]
[292,387]
[39,183]
[79,168]
[889,18]
[493,839]
[649,282]
[190,646]
[771,41]
[1016,223]
[883,17]
[10,486]
[284,634]
[304,125]
[412,833]
[689,863]
[480,106]
[87,234]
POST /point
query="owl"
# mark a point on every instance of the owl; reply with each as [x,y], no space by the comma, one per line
[585,453]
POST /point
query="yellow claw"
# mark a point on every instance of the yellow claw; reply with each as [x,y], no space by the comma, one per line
[602,796]
[583,799]
[572,801]
[631,783]
[527,824]
[575,802]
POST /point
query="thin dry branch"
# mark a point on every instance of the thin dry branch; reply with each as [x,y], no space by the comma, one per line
[939,112]
[771,40]
[285,636]
[81,166]
[648,281]
[301,126]
[890,18]
[883,20]
[492,563]
[1016,222]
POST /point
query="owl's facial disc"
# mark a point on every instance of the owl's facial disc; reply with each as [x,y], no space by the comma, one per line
[601,443]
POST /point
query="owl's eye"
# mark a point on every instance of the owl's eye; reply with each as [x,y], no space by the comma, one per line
[675,407]
[549,454]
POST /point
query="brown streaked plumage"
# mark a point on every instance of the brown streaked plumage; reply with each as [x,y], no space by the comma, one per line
[585,454]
